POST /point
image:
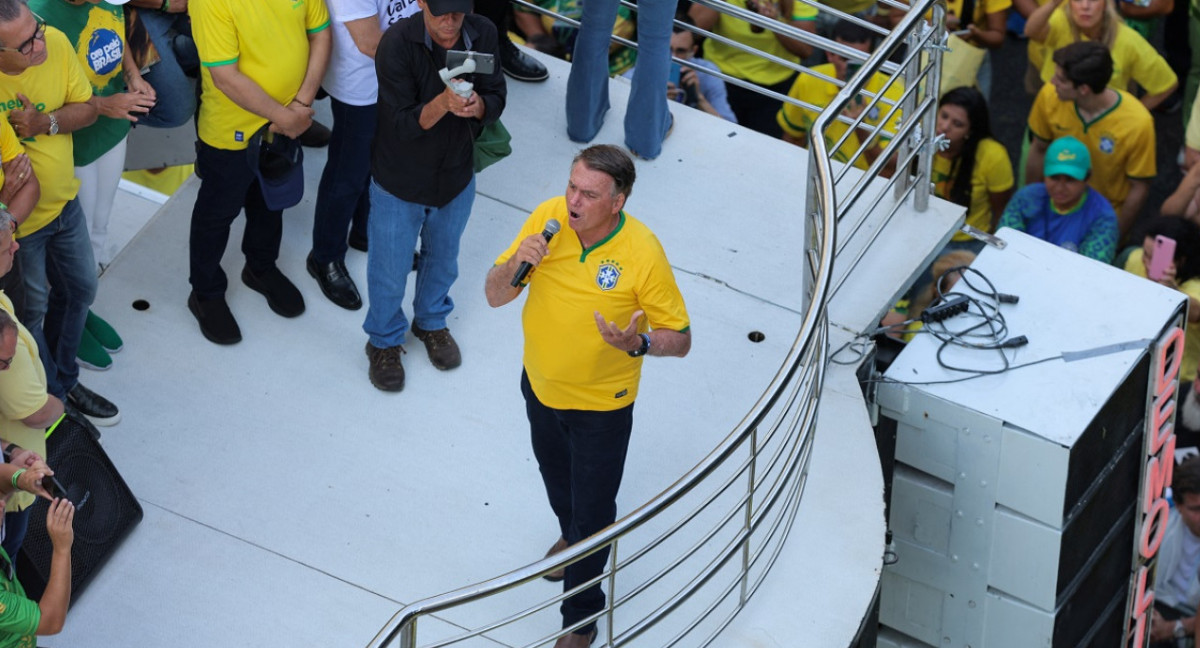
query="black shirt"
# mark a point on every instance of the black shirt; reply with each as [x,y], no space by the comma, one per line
[428,167]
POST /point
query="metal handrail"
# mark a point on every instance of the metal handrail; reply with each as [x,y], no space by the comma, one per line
[777,432]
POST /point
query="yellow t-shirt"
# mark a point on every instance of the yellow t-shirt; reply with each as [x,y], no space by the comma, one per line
[744,65]
[1192,137]
[982,9]
[58,81]
[22,394]
[1191,341]
[993,173]
[268,42]
[569,365]
[797,121]
[1121,141]
[10,147]
[1133,58]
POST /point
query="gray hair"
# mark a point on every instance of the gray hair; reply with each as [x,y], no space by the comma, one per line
[10,10]
[612,161]
[7,323]
[7,220]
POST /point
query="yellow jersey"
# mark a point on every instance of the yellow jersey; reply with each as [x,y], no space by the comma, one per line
[268,41]
[569,365]
[58,81]
[797,121]
[1120,141]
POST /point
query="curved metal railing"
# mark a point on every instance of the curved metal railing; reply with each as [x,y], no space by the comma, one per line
[683,564]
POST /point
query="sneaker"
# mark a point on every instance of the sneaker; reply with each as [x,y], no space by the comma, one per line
[443,350]
[95,407]
[216,322]
[519,65]
[91,354]
[282,295]
[386,372]
[104,333]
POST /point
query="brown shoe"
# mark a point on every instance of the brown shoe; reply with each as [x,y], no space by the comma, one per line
[556,576]
[576,640]
[386,372]
[443,350]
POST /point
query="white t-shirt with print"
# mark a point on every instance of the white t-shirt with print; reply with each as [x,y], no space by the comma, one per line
[350,77]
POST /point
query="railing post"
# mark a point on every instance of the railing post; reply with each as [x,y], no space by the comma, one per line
[751,473]
[934,49]
[612,593]
[408,634]
[908,107]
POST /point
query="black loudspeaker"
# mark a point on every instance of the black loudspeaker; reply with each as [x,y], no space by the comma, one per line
[106,510]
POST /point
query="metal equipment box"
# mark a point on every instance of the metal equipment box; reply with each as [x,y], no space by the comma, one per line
[1015,498]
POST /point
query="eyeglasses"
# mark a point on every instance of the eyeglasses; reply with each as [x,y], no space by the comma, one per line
[26,48]
[681,51]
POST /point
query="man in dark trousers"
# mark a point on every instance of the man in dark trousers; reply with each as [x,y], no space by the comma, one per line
[602,296]
[423,173]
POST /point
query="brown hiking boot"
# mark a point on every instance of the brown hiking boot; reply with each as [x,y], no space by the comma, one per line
[386,372]
[443,350]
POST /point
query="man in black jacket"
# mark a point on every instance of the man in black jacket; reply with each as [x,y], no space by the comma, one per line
[424,181]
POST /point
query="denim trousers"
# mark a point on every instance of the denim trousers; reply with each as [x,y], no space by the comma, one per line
[16,525]
[343,195]
[646,116]
[581,456]
[175,97]
[59,272]
[227,184]
[393,229]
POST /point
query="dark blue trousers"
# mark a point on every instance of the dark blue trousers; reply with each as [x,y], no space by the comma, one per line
[581,455]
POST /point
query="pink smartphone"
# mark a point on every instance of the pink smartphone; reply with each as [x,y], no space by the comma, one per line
[1164,255]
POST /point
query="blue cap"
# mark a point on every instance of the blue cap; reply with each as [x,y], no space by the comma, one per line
[278,161]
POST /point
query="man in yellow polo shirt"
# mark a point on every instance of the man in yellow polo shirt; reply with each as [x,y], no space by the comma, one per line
[45,94]
[601,296]
[26,408]
[261,63]
[1116,128]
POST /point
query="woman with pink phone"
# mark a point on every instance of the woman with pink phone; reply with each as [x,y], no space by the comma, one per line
[1170,255]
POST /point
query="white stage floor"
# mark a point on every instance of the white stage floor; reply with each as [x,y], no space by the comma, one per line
[288,502]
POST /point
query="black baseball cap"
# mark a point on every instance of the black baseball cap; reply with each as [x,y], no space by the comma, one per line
[440,7]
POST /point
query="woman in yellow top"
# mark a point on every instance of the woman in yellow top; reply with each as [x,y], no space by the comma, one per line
[1134,60]
[974,170]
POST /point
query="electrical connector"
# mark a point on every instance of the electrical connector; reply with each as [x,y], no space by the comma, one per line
[954,305]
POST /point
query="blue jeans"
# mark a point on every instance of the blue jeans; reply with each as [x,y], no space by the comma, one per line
[176,99]
[16,525]
[227,184]
[646,116]
[343,197]
[393,228]
[60,284]
[581,455]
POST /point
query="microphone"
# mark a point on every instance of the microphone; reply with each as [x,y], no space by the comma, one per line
[552,228]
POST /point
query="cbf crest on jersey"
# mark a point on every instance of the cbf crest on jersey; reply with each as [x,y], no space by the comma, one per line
[1107,144]
[608,274]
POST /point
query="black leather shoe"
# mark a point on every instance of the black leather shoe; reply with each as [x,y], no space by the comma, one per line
[317,135]
[216,322]
[335,282]
[357,241]
[95,407]
[519,65]
[282,295]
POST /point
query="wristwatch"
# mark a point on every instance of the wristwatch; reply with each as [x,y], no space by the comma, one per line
[1179,632]
[53,124]
[641,351]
